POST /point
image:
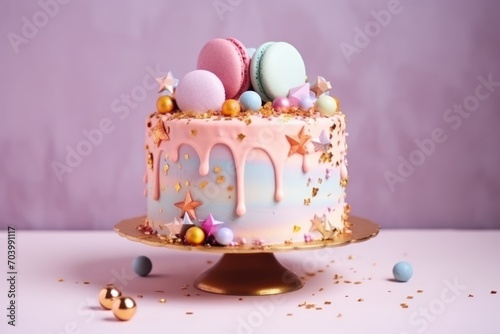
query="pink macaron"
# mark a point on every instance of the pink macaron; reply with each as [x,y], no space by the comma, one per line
[228,59]
[199,92]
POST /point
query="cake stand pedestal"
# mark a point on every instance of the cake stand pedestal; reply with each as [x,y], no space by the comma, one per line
[249,270]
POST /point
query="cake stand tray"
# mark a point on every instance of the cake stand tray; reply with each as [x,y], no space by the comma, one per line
[248,269]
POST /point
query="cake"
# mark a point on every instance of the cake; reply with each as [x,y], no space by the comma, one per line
[265,166]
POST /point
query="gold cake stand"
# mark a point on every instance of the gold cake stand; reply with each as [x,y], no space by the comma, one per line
[249,270]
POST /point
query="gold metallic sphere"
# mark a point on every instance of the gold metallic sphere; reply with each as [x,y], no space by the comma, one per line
[231,108]
[195,236]
[165,104]
[124,308]
[108,295]
[338,103]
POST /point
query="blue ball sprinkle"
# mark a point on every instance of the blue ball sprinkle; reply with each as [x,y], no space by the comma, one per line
[142,265]
[250,100]
[402,271]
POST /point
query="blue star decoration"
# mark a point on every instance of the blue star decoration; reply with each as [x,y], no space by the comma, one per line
[323,142]
[210,225]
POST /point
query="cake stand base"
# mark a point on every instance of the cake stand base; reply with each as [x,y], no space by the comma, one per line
[254,274]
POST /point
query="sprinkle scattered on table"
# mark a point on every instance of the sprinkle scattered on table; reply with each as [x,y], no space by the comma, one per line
[470,295]
[163,300]
[409,297]
[404,305]
[61,280]
[189,313]
[493,292]
[420,291]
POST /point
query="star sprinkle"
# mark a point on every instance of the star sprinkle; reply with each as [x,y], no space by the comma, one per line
[298,93]
[317,225]
[321,86]
[167,83]
[297,143]
[160,133]
[174,228]
[321,144]
[210,225]
[188,206]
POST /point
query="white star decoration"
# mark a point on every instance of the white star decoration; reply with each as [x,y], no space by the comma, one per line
[174,228]
[322,143]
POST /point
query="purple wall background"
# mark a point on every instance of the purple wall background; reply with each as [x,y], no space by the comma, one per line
[71,74]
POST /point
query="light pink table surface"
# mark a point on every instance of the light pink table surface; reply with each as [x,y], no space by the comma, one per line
[457,270]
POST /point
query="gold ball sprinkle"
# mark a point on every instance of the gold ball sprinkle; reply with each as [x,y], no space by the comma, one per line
[165,104]
[108,295]
[230,108]
[195,236]
[124,308]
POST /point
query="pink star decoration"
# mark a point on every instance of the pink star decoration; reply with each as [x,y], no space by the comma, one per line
[321,86]
[210,225]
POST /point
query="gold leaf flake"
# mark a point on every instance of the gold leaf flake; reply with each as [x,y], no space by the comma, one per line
[343,183]
[241,136]
[360,299]
[248,121]
[194,132]
[217,169]
[178,187]
[409,297]
[404,305]
[86,282]
[186,156]
[166,156]
[230,188]
[420,291]
[187,183]
[162,187]
[203,184]
[314,191]
[296,228]
[289,314]
[328,302]
[221,179]
[189,313]
[149,160]
[307,201]
[165,169]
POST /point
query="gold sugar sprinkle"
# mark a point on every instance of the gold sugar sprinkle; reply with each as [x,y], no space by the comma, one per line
[409,297]
[241,136]
[319,308]
[296,228]
[404,305]
[221,179]
[163,300]
[358,282]
[217,169]
[187,183]
[470,296]
[289,314]
[203,184]
[420,291]
[314,191]
[339,315]
[160,291]
[307,201]
[166,156]
[178,187]
[248,121]
[194,132]
[61,280]
[348,282]
[230,188]
[328,302]
[165,169]
[186,156]
[162,187]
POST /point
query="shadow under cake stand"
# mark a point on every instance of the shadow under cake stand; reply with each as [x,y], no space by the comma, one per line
[249,270]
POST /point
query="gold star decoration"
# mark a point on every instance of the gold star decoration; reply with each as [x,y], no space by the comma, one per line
[173,228]
[317,225]
[297,143]
[320,86]
[166,83]
[160,133]
[188,206]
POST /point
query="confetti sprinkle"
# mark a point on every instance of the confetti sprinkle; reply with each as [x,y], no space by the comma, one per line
[289,314]
[420,291]
[360,299]
[307,201]
[186,156]
[165,169]
[86,282]
[187,183]
[328,302]
[230,188]
[314,191]
[296,228]
[409,297]
[470,296]
[339,315]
